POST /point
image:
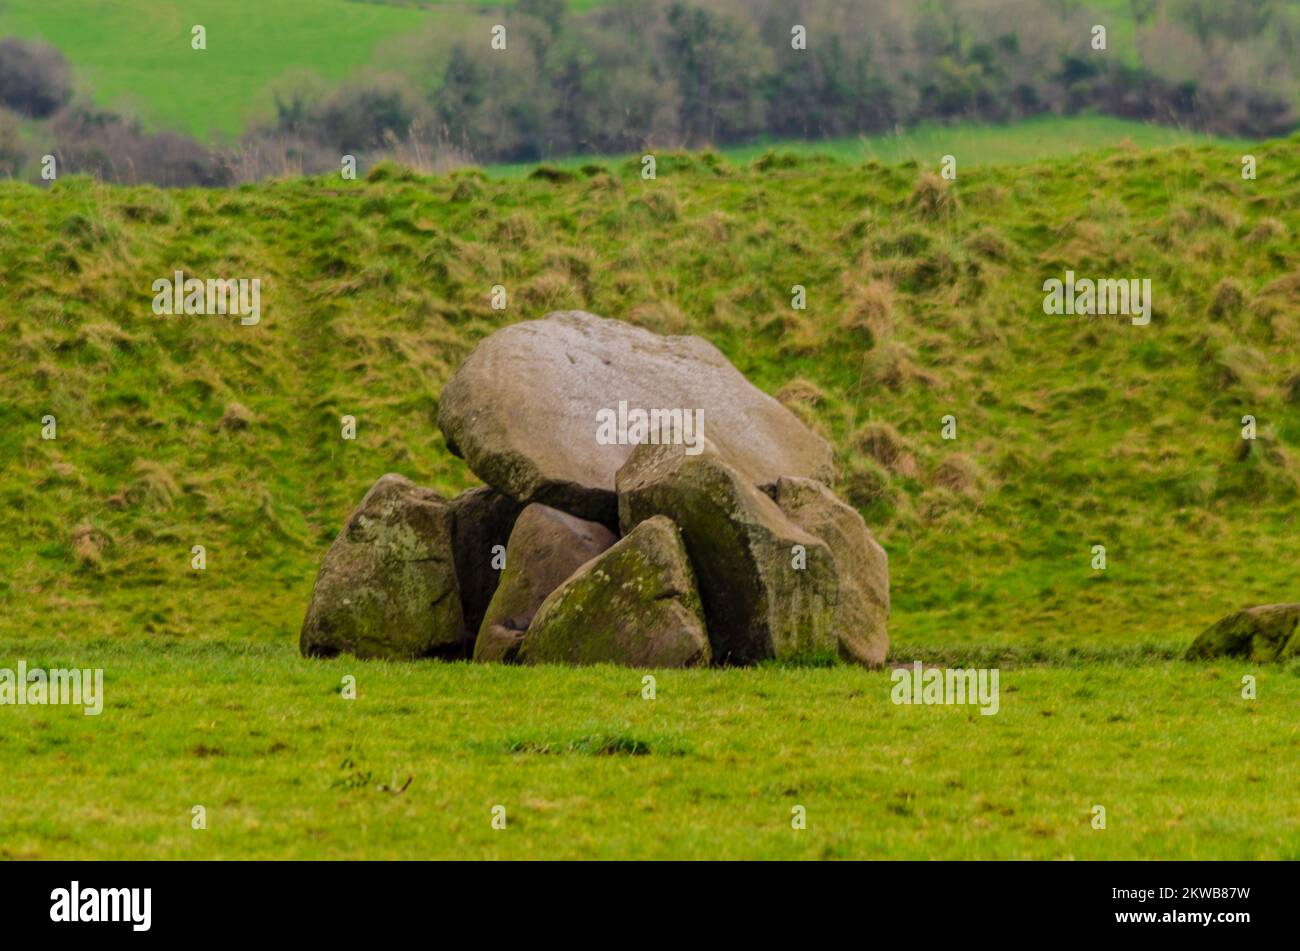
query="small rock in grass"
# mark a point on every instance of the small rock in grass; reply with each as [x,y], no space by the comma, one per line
[1266,633]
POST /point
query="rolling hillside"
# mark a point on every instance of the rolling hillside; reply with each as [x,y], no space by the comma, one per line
[923,302]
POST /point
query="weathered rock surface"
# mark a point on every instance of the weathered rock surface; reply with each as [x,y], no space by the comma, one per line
[522,410]
[484,519]
[635,604]
[862,566]
[546,546]
[1265,633]
[758,604]
[387,587]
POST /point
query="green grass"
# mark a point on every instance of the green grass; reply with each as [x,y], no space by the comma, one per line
[136,54]
[1072,432]
[973,145]
[585,768]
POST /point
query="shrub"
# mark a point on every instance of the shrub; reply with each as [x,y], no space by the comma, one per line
[115,149]
[34,78]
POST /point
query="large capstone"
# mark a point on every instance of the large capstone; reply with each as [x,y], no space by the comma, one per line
[547,411]
[636,605]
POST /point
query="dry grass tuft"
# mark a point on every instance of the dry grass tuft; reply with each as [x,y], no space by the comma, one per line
[961,475]
[89,545]
[934,199]
[883,443]
[236,417]
[872,311]
[800,392]
[893,365]
[1227,299]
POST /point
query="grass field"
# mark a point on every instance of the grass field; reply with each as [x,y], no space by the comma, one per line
[713,767]
[974,145]
[255,47]
[250,44]
[923,302]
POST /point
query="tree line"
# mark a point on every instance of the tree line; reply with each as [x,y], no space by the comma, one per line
[691,73]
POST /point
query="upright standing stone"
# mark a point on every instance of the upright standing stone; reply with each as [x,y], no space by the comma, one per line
[860,562]
[769,588]
[387,587]
[635,605]
[484,519]
[546,546]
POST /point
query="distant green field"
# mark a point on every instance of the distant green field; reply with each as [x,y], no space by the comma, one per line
[136,54]
[583,767]
[972,145]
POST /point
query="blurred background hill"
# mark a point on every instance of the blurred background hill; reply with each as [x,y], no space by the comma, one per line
[288,87]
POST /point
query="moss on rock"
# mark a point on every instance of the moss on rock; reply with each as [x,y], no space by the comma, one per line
[635,604]
[860,562]
[546,546]
[769,588]
[1266,633]
[387,587]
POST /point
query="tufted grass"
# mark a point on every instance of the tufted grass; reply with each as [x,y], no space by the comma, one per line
[1072,431]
